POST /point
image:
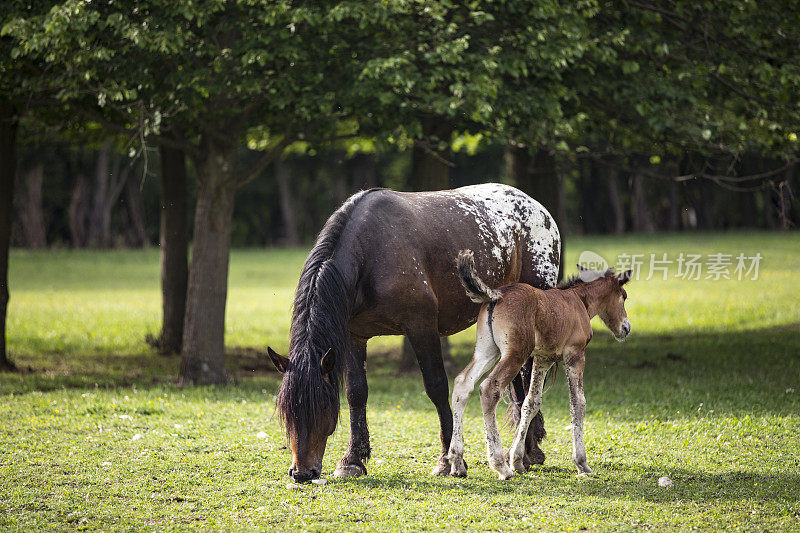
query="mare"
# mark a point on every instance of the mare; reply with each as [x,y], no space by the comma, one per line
[515,321]
[383,265]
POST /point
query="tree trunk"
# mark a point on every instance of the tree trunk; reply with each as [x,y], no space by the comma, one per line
[99,224]
[364,173]
[137,232]
[642,221]
[785,196]
[109,183]
[29,207]
[430,167]
[8,163]
[617,209]
[291,237]
[674,220]
[79,212]
[203,355]
[174,240]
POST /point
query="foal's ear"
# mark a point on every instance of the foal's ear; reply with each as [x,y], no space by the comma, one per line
[625,277]
[581,268]
[328,362]
[281,363]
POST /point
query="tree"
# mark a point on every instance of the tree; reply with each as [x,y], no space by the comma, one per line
[221,73]
[174,239]
[8,162]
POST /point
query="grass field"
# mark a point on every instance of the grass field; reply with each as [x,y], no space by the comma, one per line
[95,434]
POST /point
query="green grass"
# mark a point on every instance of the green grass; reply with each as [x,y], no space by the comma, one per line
[705,391]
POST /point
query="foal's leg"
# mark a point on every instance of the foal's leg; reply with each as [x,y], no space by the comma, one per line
[536,432]
[428,349]
[491,390]
[486,353]
[573,366]
[530,408]
[358,450]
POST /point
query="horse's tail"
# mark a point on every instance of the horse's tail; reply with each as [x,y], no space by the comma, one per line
[476,289]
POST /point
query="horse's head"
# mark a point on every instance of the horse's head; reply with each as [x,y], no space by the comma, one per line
[611,298]
[308,404]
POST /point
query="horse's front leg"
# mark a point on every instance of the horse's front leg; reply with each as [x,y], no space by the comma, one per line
[428,349]
[530,408]
[573,365]
[358,450]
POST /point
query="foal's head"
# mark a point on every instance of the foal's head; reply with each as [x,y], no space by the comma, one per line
[610,298]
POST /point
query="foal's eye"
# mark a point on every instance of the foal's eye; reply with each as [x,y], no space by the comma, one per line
[624,295]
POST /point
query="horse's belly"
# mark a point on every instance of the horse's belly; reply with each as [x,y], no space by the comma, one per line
[370,324]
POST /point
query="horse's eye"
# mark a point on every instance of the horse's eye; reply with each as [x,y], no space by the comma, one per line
[624,295]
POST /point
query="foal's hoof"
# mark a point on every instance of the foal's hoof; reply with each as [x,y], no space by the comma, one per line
[442,467]
[518,464]
[458,468]
[349,471]
[504,474]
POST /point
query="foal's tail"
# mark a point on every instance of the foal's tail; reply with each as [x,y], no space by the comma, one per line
[476,289]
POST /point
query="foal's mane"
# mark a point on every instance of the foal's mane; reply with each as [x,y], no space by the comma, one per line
[575,279]
[319,323]
[569,282]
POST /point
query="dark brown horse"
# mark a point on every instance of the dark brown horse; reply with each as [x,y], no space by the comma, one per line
[383,265]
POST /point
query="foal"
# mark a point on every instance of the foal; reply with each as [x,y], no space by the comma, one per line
[518,320]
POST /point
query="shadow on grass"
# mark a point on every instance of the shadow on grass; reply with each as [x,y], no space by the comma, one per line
[611,481]
[749,370]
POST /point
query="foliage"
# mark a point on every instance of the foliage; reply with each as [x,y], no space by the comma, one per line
[704,391]
[687,75]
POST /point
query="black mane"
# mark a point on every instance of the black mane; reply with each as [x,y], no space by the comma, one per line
[319,323]
[569,282]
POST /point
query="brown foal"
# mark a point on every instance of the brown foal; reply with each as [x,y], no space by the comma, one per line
[516,321]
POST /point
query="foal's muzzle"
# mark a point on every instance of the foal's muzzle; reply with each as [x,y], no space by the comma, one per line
[625,328]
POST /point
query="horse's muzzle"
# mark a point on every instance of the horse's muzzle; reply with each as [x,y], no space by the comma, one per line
[303,476]
[625,328]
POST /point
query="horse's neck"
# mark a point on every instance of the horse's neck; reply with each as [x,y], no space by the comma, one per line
[590,294]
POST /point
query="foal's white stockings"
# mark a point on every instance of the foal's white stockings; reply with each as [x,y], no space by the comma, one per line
[485,355]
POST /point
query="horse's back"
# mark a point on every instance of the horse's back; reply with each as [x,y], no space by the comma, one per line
[408,244]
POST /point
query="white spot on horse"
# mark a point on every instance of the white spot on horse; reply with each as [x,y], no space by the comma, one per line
[506,216]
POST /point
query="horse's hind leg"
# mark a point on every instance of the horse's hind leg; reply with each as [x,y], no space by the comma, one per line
[486,353]
[358,450]
[530,408]
[428,349]
[536,432]
[491,390]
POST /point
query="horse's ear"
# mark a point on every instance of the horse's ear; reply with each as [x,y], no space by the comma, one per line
[281,363]
[625,277]
[328,362]
[581,268]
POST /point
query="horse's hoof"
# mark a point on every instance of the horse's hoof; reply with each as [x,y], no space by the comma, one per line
[505,475]
[442,468]
[519,466]
[534,457]
[458,468]
[349,471]
[583,469]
